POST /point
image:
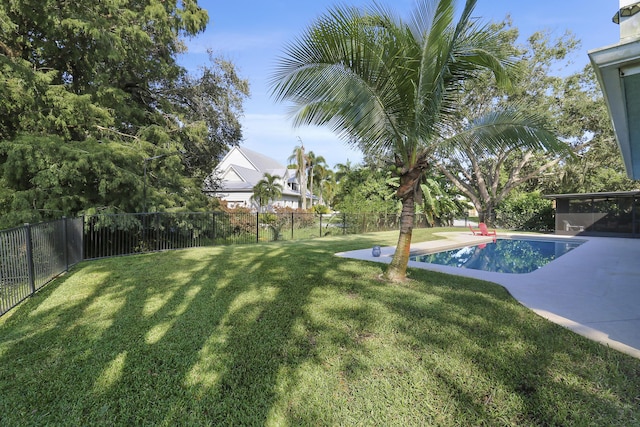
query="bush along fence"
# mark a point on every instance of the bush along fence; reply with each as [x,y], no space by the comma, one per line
[33,255]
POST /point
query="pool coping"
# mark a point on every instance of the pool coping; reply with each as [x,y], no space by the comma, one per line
[592,290]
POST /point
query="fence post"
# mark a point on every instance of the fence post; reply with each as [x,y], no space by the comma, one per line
[82,254]
[30,269]
[257,227]
[320,235]
[156,217]
[292,219]
[145,224]
[65,242]
[344,223]
[213,216]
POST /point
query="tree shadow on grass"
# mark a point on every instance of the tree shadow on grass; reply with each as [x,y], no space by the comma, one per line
[200,342]
[288,334]
[531,371]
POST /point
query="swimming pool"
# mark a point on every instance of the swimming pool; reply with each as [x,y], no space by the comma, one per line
[502,256]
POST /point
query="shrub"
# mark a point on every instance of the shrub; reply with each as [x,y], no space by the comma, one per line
[321,209]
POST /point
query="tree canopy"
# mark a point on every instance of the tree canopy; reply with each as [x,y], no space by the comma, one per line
[487,178]
[90,89]
[570,105]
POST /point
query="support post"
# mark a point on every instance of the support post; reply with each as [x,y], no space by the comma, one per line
[213,217]
[157,221]
[344,223]
[30,269]
[65,242]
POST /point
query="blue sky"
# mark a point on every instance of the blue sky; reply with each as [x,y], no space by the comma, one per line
[253,33]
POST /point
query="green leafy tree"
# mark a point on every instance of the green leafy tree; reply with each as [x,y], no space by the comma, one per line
[313,162]
[391,85]
[439,203]
[206,107]
[598,164]
[323,176]
[366,190]
[343,170]
[487,178]
[93,89]
[526,211]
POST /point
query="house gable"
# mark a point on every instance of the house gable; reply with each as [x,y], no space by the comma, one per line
[236,157]
[241,169]
[231,176]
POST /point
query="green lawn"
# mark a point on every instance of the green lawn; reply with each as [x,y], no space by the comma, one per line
[288,334]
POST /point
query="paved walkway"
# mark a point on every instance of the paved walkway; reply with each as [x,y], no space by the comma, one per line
[593,290]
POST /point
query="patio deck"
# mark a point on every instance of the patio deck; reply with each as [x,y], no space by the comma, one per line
[593,290]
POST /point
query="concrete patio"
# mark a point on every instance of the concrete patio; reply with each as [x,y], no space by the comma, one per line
[593,290]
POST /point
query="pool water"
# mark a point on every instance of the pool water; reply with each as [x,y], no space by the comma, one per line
[502,256]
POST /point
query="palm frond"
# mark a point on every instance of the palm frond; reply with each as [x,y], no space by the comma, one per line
[435,58]
[507,129]
[336,74]
[381,83]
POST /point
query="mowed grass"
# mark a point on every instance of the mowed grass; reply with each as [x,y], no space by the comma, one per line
[288,334]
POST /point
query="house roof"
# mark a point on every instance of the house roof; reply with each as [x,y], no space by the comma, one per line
[260,161]
[246,174]
[611,194]
[249,167]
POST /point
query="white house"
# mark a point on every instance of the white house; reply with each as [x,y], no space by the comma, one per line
[241,169]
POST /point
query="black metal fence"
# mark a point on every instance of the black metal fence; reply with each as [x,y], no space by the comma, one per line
[114,235]
[33,255]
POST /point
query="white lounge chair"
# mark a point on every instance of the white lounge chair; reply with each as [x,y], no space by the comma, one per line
[569,227]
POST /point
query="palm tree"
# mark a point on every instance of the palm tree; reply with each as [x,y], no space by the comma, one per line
[393,86]
[321,175]
[343,170]
[258,195]
[299,159]
[266,190]
[313,161]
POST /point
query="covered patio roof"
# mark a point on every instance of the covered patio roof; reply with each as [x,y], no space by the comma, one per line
[593,195]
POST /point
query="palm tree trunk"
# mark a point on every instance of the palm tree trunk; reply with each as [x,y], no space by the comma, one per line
[310,181]
[397,270]
[409,187]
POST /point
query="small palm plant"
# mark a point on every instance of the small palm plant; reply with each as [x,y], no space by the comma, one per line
[266,190]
